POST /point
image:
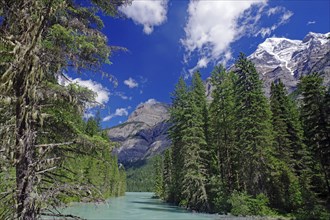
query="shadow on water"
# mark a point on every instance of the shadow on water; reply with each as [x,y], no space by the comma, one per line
[148,203]
[157,202]
[164,209]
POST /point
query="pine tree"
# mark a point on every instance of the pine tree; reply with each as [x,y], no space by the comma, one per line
[253,127]
[179,103]
[222,137]
[39,39]
[167,174]
[314,118]
[159,182]
[288,152]
[193,148]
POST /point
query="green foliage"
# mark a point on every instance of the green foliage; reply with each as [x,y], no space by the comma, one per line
[245,205]
[253,127]
[222,128]
[315,120]
[244,154]
[159,181]
[40,39]
[142,177]
[91,127]
[179,103]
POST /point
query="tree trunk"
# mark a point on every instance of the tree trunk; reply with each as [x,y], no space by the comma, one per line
[25,154]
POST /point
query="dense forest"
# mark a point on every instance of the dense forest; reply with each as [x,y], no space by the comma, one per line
[48,154]
[246,154]
[142,176]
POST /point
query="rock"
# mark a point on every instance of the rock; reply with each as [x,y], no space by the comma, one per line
[143,135]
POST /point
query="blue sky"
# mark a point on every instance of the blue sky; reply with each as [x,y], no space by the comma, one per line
[167,39]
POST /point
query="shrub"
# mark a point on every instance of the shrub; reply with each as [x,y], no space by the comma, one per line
[244,204]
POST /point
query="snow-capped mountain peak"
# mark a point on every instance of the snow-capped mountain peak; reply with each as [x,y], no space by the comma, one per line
[282,52]
[286,59]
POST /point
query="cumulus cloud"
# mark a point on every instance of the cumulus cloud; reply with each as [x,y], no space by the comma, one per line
[131,83]
[212,27]
[148,13]
[118,112]
[102,93]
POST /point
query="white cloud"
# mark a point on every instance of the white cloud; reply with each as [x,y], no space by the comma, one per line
[102,93]
[118,112]
[212,27]
[311,22]
[131,83]
[148,13]
[274,11]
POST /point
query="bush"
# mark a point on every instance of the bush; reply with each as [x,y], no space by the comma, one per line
[244,204]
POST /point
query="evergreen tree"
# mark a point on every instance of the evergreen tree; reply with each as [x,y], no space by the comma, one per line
[253,127]
[167,174]
[159,182]
[222,134]
[314,118]
[288,148]
[92,126]
[177,120]
[38,40]
[193,147]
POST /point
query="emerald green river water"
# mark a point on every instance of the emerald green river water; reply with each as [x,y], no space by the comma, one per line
[136,206]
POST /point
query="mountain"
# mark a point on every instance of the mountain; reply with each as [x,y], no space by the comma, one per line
[143,135]
[288,60]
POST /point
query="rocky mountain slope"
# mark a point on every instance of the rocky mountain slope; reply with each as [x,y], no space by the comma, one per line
[143,135]
[288,60]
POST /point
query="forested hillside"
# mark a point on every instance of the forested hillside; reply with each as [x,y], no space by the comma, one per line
[48,154]
[244,153]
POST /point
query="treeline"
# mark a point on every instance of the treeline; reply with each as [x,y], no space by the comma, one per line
[245,154]
[78,167]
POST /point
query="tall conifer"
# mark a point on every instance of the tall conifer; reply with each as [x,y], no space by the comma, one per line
[179,103]
[254,131]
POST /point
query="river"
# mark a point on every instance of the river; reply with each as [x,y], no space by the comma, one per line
[136,206]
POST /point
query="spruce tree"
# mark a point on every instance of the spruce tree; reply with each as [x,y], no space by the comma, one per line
[159,182]
[222,129]
[167,174]
[194,172]
[253,127]
[177,120]
[288,148]
[314,118]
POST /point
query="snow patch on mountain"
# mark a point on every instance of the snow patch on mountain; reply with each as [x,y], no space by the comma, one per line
[281,52]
